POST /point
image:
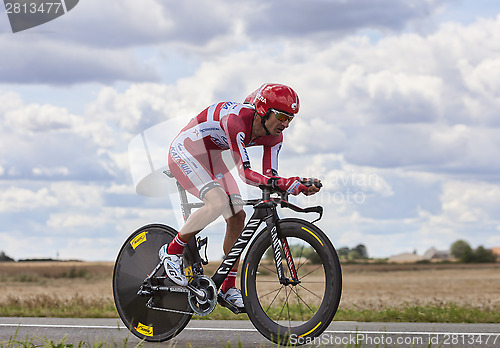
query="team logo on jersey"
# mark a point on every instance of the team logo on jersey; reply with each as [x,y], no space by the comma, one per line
[228,105]
[186,169]
[240,138]
[220,141]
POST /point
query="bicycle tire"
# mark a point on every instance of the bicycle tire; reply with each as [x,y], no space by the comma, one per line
[137,258]
[292,314]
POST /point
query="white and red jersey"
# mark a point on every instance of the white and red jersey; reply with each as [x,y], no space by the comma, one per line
[197,149]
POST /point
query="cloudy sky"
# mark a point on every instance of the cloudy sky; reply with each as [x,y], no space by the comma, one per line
[399,115]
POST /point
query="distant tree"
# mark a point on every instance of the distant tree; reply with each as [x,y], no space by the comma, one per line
[4,257]
[343,252]
[460,250]
[467,256]
[354,255]
[358,253]
[297,250]
[482,255]
[464,253]
[362,251]
[312,255]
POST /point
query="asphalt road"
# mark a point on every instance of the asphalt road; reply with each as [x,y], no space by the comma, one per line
[203,333]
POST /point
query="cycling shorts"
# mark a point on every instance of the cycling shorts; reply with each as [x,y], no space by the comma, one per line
[198,170]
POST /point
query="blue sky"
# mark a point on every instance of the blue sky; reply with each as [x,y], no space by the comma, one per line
[399,115]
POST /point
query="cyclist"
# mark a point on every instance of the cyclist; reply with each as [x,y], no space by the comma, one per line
[195,161]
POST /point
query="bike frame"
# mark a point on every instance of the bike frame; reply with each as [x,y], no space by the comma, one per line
[264,210]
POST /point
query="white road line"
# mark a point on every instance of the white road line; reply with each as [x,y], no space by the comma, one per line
[62,326]
[347,332]
[106,327]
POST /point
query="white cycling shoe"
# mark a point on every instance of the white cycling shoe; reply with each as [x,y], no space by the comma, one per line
[233,296]
[173,266]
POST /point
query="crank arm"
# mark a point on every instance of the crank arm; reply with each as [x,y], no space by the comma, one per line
[198,293]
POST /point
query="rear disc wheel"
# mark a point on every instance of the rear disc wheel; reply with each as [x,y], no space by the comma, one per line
[136,259]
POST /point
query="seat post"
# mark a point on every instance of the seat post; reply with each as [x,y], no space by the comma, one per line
[185,206]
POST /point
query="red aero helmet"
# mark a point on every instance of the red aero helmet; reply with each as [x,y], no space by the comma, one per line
[274,96]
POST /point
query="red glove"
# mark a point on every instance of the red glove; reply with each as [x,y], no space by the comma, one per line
[291,185]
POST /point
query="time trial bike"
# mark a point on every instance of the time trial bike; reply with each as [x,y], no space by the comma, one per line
[291,278]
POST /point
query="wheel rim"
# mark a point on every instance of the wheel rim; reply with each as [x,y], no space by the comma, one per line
[291,305]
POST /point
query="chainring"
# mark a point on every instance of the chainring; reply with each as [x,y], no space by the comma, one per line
[207,305]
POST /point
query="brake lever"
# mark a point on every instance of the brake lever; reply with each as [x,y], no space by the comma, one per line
[308,183]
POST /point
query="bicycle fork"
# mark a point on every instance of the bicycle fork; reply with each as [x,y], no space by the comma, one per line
[278,244]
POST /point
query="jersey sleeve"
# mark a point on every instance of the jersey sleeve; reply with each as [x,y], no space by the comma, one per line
[270,159]
[236,136]
[242,159]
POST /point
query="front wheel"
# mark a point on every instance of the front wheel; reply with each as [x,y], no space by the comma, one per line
[137,258]
[295,312]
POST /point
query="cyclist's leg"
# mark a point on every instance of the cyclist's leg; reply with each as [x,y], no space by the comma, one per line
[191,172]
[234,214]
[235,222]
[216,201]
[191,166]
[234,225]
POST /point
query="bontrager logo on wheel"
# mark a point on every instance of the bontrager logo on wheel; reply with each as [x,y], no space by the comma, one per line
[144,329]
[26,14]
[141,238]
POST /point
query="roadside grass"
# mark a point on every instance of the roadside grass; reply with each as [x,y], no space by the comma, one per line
[70,290]
[82,307]
[51,306]
[43,342]
[447,313]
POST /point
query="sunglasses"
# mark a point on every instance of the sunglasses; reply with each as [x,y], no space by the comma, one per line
[282,116]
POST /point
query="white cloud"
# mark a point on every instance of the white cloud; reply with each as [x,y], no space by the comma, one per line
[96,41]
[40,118]
[40,141]
[408,121]
[65,221]
[494,241]
[9,101]
[17,199]
[336,18]
[37,60]
[144,105]
[49,172]
[465,202]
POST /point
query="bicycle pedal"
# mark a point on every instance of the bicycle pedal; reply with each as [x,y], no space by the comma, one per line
[229,305]
[200,243]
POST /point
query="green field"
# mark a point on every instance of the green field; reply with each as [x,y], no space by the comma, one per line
[387,293]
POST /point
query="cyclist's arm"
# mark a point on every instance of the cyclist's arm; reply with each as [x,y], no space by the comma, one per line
[235,131]
[270,159]
[241,157]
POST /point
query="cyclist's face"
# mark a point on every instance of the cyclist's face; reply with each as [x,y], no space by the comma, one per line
[276,126]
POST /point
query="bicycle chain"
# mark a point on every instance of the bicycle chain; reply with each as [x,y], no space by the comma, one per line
[149,304]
